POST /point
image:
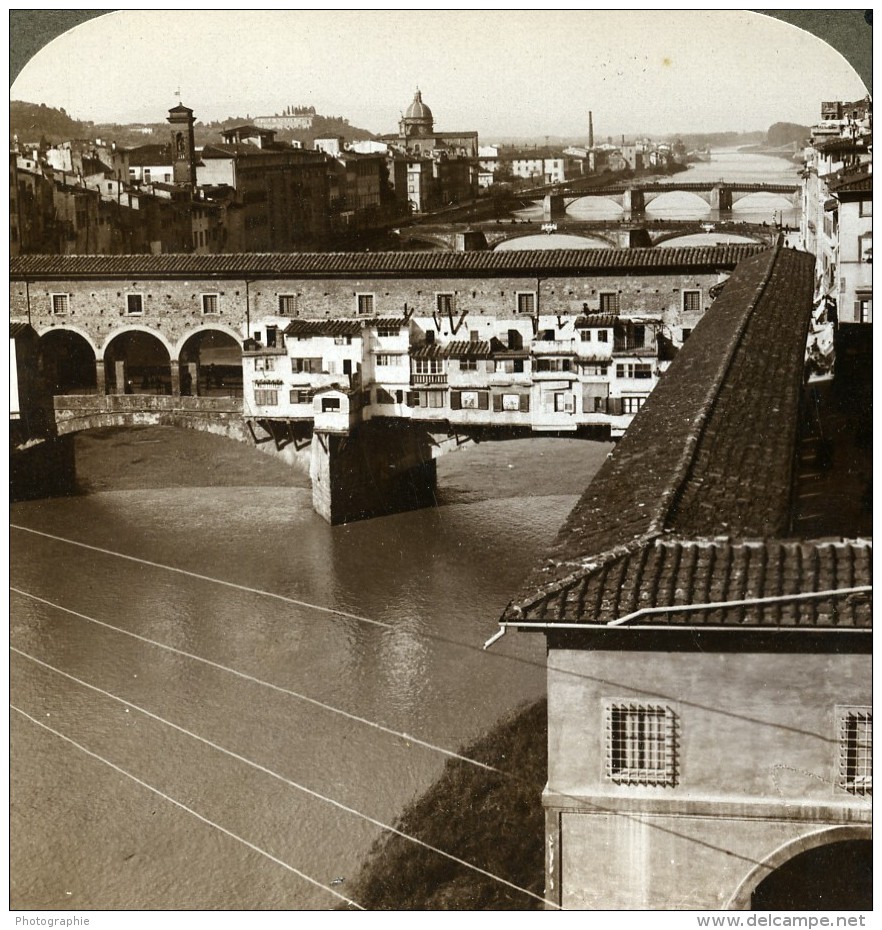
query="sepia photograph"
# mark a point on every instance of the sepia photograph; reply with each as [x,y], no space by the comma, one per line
[440,463]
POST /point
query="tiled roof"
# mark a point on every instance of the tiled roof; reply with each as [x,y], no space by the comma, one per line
[461,348]
[711,453]
[323,328]
[386,322]
[596,321]
[19,329]
[147,155]
[396,264]
[862,182]
[674,573]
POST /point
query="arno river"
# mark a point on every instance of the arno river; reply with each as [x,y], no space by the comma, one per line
[138,653]
[219,700]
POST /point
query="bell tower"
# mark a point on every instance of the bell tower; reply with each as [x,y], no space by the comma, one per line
[183,145]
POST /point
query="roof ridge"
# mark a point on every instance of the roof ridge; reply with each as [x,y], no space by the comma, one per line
[685,465]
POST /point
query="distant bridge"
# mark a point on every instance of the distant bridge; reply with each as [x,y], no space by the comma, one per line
[617,235]
[634,198]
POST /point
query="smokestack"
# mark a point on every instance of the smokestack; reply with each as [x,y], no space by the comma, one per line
[590,130]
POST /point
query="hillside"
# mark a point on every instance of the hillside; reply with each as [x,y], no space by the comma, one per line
[33,121]
[493,821]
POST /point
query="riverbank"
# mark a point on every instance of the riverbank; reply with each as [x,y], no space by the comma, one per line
[492,820]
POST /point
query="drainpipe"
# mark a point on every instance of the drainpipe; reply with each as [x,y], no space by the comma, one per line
[28,299]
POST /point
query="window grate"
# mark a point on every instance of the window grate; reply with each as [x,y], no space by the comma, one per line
[641,744]
[856,751]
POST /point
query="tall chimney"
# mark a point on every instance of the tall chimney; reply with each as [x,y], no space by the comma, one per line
[590,130]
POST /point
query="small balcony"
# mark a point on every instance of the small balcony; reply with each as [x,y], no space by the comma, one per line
[553,346]
[429,379]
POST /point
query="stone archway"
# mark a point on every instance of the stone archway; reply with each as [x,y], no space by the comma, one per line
[138,362]
[211,364]
[67,362]
[830,869]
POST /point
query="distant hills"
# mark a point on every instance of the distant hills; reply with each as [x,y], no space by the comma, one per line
[32,122]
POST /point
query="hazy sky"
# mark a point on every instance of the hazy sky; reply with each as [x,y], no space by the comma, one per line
[499,72]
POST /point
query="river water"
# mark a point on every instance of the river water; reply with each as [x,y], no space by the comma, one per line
[206,609]
[729,165]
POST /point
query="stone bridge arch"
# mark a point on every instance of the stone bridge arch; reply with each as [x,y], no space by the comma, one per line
[207,328]
[500,239]
[68,359]
[826,836]
[138,328]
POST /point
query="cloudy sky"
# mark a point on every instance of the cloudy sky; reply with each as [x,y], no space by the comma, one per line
[502,73]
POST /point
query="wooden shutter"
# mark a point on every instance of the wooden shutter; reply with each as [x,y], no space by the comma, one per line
[483,400]
[525,403]
[497,402]
[456,400]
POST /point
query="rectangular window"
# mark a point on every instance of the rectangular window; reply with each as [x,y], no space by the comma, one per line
[134,304]
[609,302]
[526,302]
[390,360]
[632,404]
[863,309]
[364,304]
[60,304]
[385,333]
[691,301]
[342,340]
[866,208]
[306,366]
[603,335]
[687,332]
[641,744]
[287,304]
[564,403]
[586,335]
[856,750]
[554,364]
[300,397]
[330,404]
[428,366]
[264,364]
[633,370]
[265,398]
[865,249]
[468,364]
[210,304]
[444,302]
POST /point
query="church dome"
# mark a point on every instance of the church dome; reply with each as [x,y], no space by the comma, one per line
[418,110]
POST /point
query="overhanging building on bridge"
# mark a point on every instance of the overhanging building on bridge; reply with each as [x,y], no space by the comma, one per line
[468,344]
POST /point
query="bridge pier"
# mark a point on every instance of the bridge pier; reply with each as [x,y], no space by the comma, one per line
[633,202]
[721,198]
[100,377]
[553,207]
[379,468]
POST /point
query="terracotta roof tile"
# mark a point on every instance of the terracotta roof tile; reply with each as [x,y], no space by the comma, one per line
[710,455]
[324,264]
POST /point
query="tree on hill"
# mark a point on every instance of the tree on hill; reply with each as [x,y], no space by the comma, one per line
[30,121]
[786,134]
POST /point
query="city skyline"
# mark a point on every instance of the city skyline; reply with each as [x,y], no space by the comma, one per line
[528,82]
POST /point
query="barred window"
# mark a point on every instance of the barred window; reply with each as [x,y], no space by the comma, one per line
[60,304]
[210,304]
[364,303]
[134,304]
[641,744]
[856,750]
[691,301]
[287,304]
[526,302]
[609,302]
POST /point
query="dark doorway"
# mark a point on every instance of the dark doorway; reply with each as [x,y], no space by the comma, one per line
[67,362]
[216,359]
[835,877]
